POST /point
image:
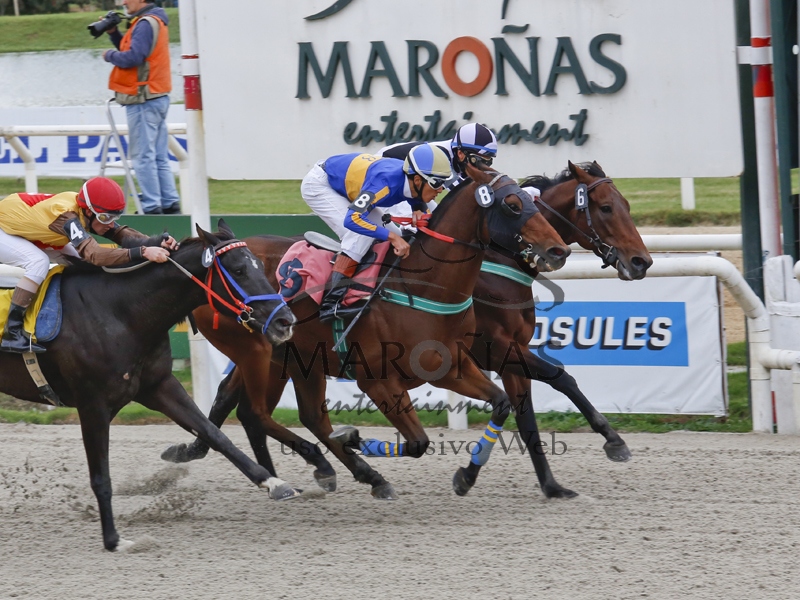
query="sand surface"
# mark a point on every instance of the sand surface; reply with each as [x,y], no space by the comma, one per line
[692,516]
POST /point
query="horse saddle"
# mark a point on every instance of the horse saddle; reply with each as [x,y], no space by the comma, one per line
[43,318]
[307,265]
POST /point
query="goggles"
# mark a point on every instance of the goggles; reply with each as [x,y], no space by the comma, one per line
[104,218]
[480,159]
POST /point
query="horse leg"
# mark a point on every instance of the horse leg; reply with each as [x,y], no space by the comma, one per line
[468,380]
[257,431]
[95,423]
[518,390]
[170,398]
[558,379]
[225,401]
[310,392]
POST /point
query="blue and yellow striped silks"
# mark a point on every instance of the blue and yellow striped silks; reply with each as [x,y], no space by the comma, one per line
[482,450]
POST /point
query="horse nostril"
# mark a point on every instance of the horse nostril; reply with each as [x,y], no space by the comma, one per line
[284,322]
[558,252]
[637,262]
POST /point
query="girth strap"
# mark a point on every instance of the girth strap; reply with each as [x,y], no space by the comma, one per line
[425,305]
[511,273]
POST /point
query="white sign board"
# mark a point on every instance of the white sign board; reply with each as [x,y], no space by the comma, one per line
[74,155]
[651,346]
[646,89]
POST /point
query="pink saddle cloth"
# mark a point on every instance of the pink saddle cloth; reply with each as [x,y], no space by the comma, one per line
[305,268]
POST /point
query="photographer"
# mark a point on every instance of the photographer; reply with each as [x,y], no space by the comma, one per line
[142,80]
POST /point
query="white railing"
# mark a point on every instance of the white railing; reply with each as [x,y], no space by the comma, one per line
[763,357]
[13,133]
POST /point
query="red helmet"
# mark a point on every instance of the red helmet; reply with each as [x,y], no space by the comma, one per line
[102,195]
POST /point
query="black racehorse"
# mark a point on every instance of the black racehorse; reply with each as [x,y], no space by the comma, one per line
[114,348]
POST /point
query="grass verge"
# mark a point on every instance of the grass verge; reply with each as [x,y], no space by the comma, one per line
[737,421]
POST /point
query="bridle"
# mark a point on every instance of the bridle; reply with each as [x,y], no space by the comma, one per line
[239,307]
[606,252]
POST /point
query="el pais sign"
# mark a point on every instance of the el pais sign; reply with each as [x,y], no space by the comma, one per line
[608,80]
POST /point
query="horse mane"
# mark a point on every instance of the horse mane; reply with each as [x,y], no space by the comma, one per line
[542,182]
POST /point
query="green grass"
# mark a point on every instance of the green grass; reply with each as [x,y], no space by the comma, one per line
[738,419]
[67,31]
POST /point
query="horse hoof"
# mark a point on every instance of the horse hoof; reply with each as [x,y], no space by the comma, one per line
[326,482]
[279,489]
[345,435]
[617,453]
[123,546]
[181,453]
[284,492]
[556,491]
[384,491]
[461,484]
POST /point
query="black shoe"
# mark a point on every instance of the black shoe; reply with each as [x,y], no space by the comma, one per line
[155,211]
[331,305]
[15,339]
[175,209]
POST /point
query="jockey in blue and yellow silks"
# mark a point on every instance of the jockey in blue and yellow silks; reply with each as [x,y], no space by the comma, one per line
[348,192]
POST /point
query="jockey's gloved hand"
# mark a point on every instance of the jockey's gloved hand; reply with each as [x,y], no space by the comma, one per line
[168,242]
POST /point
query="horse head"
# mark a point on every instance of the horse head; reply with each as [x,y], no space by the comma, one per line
[513,221]
[608,226]
[242,289]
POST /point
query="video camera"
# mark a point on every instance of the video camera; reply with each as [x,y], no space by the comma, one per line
[111,20]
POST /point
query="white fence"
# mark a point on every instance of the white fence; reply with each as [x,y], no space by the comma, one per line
[12,135]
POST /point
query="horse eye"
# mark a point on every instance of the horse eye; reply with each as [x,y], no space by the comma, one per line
[516,209]
[239,271]
[606,209]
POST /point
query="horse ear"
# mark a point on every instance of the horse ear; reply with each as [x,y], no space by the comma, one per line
[579,174]
[477,174]
[222,227]
[209,239]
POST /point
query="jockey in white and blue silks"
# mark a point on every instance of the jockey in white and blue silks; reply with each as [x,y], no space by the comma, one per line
[350,191]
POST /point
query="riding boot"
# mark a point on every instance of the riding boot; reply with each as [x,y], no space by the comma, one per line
[337,285]
[15,339]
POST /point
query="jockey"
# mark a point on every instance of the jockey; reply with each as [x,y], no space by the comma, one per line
[345,189]
[38,228]
[473,143]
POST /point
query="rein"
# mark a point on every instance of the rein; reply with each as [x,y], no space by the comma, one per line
[605,251]
[239,307]
[422,225]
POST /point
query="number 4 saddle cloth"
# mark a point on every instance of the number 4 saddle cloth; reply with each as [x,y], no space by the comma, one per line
[305,268]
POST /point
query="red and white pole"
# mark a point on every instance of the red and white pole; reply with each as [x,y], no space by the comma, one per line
[766,155]
[204,376]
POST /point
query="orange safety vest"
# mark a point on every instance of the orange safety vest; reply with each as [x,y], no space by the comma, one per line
[152,78]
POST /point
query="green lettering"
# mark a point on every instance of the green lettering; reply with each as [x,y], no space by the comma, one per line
[595,50]
[573,66]
[325,82]
[378,51]
[503,54]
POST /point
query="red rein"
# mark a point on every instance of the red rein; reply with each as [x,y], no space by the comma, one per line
[422,223]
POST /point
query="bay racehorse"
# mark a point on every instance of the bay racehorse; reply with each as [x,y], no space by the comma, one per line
[394,347]
[505,321]
[114,348]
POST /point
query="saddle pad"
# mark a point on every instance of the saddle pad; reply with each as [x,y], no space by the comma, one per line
[305,268]
[43,318]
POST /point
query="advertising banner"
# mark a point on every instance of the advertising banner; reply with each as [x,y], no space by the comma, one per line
[69,156]
[649,346]
[630,84]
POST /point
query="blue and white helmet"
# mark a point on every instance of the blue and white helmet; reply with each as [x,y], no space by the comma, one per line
[429,162]
[474,138]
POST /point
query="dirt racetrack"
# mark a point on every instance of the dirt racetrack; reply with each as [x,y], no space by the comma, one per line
[692,516]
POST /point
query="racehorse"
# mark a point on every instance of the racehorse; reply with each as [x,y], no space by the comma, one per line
[114,348]
[505,321]
[388,339]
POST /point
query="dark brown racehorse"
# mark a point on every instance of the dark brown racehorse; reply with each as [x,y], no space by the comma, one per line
[396,348]
[114,348]
[505,322]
